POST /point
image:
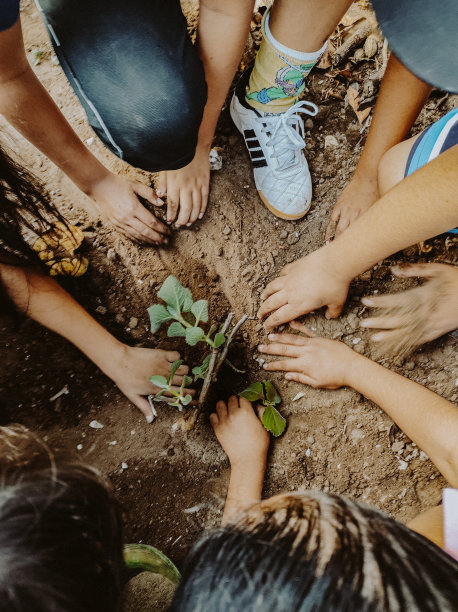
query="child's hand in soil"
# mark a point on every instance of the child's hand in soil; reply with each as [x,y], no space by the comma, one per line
[304,285]
[357,197]
[418,315]
[117,199]
[186,189]
[241,433]
[133,370]
[317,362]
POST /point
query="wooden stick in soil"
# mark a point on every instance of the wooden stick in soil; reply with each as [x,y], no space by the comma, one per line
[213,369]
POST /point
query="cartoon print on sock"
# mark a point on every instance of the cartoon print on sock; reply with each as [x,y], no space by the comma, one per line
[290,81]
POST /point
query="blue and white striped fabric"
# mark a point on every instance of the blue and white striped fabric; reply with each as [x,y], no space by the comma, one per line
[436,139]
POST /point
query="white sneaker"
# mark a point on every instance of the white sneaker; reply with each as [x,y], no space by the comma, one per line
[275,142]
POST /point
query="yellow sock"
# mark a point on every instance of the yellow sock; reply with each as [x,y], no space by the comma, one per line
[279,73]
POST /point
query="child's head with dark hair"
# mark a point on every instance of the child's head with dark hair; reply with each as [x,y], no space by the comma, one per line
[316,552]
[60,536]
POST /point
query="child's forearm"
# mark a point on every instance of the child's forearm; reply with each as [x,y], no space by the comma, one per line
[245,488]
[401,98]
[44,300]
[421,206]
[428,419]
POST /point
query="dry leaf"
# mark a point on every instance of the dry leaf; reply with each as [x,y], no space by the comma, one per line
[325,61]
[353,101]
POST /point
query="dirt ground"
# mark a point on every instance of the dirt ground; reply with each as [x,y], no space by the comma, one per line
[175,483]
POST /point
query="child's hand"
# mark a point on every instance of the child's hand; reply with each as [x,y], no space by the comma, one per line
[317,362]
[132,371]
[241,433]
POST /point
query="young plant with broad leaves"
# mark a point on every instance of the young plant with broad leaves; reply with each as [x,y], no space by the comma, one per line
[265,393]
[186,318]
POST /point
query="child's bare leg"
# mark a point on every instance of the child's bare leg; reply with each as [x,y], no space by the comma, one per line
[391,169]
[245,441]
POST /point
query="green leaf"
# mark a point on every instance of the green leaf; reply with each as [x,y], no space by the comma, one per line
[173,368]
[194,335]
[271,393]
[199,372]
[219,339]
[185,401]
[187,380]
[176,330]
[157,315]
[273,421]
[174,294]
[253,392]
[174,313]
[200,310]
[145,557]
[160,381]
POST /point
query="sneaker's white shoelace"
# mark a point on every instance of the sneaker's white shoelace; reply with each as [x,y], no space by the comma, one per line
[286,132]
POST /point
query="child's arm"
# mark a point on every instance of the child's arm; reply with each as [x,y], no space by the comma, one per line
[401,98]
[421,206]
[27,105]
[428,419]
[46,302]
[245,441]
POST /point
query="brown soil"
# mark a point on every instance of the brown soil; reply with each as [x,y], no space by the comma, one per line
[174,484]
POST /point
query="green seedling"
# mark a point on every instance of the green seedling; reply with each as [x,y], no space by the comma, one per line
[166,386]
[185,314]
[265,393]
[186,317]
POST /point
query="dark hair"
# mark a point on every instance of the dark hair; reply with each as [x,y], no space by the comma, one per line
[24,207]
[60,536]
[316,552]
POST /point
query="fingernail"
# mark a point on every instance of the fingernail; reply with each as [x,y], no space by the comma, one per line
[188,224]
[271,336]
[327,242]
[288,376]
[149,418]
[367,301]
[201,215]
[377,337]
[261,347]
[364,323]
[265,366]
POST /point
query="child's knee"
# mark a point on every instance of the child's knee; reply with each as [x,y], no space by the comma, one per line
[392,166]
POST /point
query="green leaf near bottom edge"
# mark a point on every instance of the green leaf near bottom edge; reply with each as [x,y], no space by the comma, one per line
[219,339]
[148,558]
[273,421]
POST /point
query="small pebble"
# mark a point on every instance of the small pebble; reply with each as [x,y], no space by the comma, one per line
[124,466]
[133,322]
[101,310]
[79,447]
[95,425]
[227,230]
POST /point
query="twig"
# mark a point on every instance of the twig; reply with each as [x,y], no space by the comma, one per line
[223,354]
[358,37]
[189,420]
[212,364]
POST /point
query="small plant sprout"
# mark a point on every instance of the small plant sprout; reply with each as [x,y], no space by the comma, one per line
[166,386]
[186,317]
[265,393]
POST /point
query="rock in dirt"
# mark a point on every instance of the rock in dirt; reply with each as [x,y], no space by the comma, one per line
[101,310]
[133,322]
[330,141]
[293,238]
[148,592]
[227,230]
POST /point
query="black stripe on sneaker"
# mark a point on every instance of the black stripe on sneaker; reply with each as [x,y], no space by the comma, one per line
[249,133]
[253,143]
[258,154]
[259,163]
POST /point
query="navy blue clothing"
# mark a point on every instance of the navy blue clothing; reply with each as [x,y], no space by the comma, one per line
[9,12]
[135,71]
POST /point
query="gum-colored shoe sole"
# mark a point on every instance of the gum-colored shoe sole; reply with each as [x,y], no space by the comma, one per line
[279,214]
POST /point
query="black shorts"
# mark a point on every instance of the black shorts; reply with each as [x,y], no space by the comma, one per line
[136,72]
